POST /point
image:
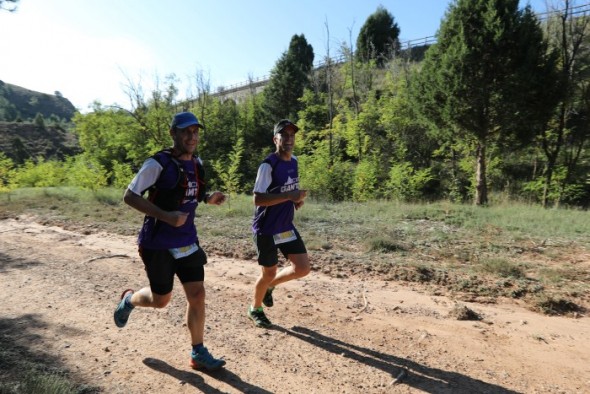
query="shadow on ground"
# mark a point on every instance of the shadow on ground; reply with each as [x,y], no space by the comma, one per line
[20,363]
[403,371]
[194,379]
[8,263]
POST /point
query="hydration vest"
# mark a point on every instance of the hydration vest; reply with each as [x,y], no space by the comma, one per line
[170,198]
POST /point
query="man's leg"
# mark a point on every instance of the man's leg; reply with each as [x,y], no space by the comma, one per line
[143,298]
[195,310]
[299,268]
[195,320]
[266,277]
[146,298]
[160,271]
[255,311]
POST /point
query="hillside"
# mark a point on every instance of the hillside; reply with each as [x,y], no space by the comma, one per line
[21,141]
[21,137]
[18,103]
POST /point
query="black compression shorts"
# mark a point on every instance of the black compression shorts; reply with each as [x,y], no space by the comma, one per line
[267,251]
[161,268]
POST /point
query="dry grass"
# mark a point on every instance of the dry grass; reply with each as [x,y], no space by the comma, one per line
[513,250]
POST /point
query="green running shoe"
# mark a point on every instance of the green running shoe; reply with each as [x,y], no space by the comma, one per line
[267,300]
[259,318]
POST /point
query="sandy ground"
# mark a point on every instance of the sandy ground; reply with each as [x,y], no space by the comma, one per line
[59,289]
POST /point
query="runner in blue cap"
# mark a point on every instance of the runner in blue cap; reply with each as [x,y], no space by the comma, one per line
[168,241]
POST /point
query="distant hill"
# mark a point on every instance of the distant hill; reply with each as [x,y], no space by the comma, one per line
[34,124]
[18,103]
[22,141]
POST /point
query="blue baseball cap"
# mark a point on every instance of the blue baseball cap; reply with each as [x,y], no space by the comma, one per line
[183,120]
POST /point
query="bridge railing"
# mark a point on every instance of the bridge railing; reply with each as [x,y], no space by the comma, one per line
[583,9]
[334,60]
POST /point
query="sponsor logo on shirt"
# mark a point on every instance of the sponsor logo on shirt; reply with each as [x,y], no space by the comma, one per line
[191,192]
[290,185]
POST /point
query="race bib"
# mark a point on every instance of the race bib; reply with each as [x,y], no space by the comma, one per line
[183,251]
[283,237]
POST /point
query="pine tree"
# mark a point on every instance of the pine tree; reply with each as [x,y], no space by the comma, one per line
[487,80]
[288,79]
[378,39]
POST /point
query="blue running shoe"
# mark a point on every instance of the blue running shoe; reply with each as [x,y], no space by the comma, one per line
[203,359]
[123,310]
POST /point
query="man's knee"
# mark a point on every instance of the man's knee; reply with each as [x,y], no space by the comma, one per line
[160,301]
[196,297]
[195,293]
[302,270]
[269,273]
[301,266]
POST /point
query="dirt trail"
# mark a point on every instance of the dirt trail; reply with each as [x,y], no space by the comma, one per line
[59,289]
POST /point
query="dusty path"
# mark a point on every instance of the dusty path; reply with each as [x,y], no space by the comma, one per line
[59,288]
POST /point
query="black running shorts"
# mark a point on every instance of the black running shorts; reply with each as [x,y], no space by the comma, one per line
[161,268]
[267,251]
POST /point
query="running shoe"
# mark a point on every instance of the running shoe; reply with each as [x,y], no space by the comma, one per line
[259,318]
[204,360]
[267,300]
[123,310]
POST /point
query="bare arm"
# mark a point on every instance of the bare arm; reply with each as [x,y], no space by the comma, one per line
[173,218]
[268,199]
[215,198]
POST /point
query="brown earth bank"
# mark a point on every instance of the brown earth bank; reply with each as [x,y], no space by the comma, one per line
[331,335]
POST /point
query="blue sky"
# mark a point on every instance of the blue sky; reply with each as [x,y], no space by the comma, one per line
[89,50]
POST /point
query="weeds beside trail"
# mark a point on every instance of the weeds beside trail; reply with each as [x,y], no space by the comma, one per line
[386,298]
[514,250]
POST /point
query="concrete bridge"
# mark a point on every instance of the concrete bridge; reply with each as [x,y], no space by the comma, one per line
[413,49]
[240,91]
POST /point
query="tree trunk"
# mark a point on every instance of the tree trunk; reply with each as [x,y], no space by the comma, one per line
[548,176]
[330,93]
[481,188]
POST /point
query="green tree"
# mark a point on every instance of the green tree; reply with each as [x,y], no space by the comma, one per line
[406,144]
[568,133]
[110,135]
[407,183]
[407,138]
[313,120]
[364,186]
[39,121]
[257,137]
[8,111]
[86,172]
[487,80]
[288,79]
[221,131]
[153,112]
[115,134]
[122,174]
[378,38]
[325,176]
[19,150]
[40,173]
[6,168]
[228,169]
